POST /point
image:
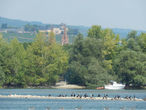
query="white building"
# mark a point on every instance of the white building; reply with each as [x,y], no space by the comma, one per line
[55,30]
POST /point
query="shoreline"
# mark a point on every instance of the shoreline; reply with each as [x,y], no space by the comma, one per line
[75,98]
[59,85]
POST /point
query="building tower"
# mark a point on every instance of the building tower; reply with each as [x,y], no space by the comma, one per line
[64,37]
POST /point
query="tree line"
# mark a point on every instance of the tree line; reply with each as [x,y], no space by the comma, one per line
[102,56]
[40,63]
[90,61]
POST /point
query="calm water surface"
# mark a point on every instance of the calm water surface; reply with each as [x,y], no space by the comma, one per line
[58,104]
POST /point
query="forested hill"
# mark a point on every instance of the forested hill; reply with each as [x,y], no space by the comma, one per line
[124,32]
[81,29]
[17,23]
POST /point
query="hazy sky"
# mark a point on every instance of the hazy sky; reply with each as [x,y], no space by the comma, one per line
[107,13]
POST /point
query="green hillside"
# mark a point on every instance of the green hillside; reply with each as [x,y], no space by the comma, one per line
[16,23]
[22,37]
[73,30]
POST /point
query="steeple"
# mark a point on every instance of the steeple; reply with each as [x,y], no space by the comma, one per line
[64,37]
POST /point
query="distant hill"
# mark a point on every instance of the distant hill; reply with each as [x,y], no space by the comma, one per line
[16,23]
[124,32]
[81,29]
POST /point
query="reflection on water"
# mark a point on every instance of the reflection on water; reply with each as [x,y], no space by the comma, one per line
[31,108]
[106,108]
[62,108]
[122,108]
[48,108]
[80,108]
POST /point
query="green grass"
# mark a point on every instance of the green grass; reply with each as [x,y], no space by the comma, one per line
[29,37]
[22,37]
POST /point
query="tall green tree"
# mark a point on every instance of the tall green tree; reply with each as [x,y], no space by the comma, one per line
[47,61]
[130,66]
[3,49]
[51,36]
[86,63]
[133,45]
[15,63]
[132,34]
[111,47]
[142,42]
[95,32]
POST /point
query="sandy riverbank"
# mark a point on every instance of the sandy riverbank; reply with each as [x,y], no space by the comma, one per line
[75,98]
[68,86]
[64,85]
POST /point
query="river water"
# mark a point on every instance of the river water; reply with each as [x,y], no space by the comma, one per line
[68,104]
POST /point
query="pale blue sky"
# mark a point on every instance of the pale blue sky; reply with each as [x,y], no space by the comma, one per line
[107,13]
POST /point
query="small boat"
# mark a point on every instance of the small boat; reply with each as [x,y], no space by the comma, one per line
[114,85]
[100,88]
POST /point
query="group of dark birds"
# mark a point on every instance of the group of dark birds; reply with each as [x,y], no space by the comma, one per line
[105,96]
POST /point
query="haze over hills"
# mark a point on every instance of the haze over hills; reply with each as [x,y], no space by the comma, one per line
[17,23]
[82,29]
